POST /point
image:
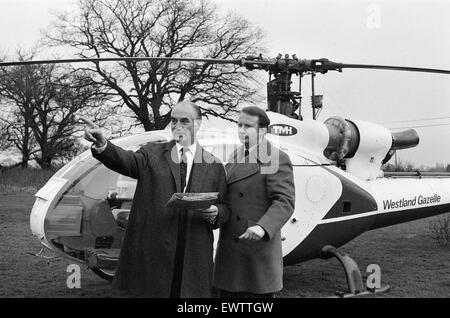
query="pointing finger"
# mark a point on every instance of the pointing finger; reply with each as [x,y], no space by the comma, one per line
[88,136]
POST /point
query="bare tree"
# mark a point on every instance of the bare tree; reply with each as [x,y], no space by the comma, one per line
[16,133]
[17,112]
[43,101]
[172,28]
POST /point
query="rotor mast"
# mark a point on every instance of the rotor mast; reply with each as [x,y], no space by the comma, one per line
[280,97]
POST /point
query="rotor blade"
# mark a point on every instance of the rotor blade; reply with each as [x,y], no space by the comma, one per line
[394,68]
[112,59]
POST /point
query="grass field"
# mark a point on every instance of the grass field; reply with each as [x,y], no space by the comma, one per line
[19,180]
[411,261]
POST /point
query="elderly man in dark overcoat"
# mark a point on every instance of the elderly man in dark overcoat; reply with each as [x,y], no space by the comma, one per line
[261,196]
[166,252]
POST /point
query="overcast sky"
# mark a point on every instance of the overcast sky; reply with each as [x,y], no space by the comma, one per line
[405,33]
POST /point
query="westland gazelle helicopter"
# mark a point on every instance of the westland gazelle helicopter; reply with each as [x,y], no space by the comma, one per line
[341,192]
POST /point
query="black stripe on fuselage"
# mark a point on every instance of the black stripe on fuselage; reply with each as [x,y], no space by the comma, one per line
[353,199]
[340,232]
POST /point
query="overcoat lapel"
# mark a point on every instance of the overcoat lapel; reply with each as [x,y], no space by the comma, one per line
[240,167]
[239,171]
[171,156]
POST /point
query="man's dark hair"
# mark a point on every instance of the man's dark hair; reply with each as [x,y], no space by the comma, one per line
[263,119]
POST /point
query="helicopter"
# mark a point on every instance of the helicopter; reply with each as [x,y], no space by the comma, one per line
[81,213]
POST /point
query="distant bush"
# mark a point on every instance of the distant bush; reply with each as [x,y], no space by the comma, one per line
[440,229]
[439,167]
[28,179]
[407,166]
[401,166]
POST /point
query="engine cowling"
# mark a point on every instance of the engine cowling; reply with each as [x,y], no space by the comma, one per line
[364,146]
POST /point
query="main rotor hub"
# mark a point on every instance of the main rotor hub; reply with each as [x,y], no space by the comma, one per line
[280,97]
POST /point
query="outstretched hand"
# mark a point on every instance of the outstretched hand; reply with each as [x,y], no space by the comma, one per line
[93,133]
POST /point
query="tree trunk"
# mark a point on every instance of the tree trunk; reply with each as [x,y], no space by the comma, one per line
[148,125]
[24,163]
[45,161]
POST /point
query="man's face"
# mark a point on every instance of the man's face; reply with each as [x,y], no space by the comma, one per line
[248,128]
[184,124]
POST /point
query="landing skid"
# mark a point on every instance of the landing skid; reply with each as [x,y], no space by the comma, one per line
[356,288]
[41,254]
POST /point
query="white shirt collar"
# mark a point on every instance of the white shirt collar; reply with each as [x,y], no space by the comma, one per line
[251,148]
[192,148]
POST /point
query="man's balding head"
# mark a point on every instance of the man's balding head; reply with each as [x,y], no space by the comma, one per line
[185,105]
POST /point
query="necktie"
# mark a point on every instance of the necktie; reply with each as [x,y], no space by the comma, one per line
[183,168]
[246,154]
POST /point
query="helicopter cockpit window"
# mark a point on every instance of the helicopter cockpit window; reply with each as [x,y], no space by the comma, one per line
[71,164]
[87,216]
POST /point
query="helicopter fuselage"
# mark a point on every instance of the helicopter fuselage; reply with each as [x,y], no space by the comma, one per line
[79,212]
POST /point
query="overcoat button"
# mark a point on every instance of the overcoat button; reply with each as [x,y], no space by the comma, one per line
[241,194]
[238,218]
